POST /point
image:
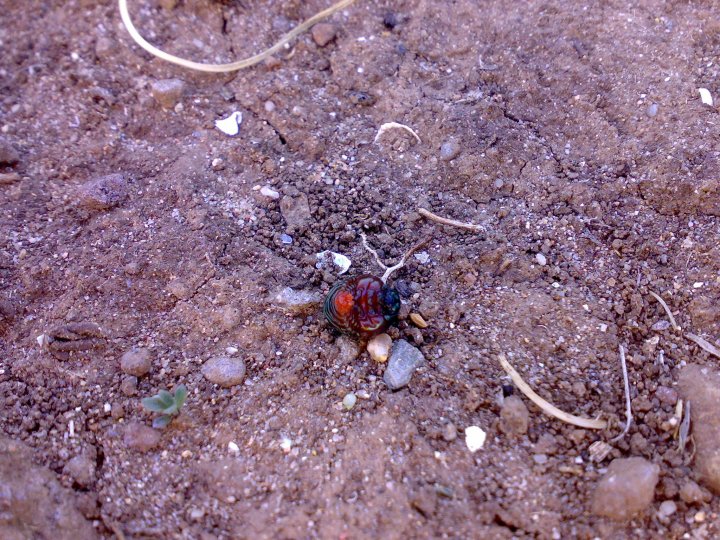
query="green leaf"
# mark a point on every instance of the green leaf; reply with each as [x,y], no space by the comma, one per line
[162,421]
[180,396]
[153,404]
[166,398]
[172,409]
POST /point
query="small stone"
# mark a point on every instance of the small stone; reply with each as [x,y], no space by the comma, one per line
[224,371]
[136,362]
[270,193]
[8,154]
[541,259]
[349,350]
[140,437]
[379,347]
[667,508]
[627,488]
[652,110]
[449,432]
[286,239]
[233,447]
[667,396]
[449,150]
[297,301]
[474,438]
[691,492]
[104,192]
[295,210]
[540,459]
[514,416]
[168,4]
[701,385]
[418,321]
[349,401]
[361,98]
[104,48]
[661,325]
[167,92]
[128,386]
[699,517]
[323,33]
[404,360]
[81,469]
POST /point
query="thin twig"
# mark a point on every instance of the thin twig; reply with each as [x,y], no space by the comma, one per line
[232,66]
[371,250]
[628,408]
[704,344]
[395,125]
[548,408]
[453,223]
[422,243]
[667,310]
[390,270]
[684,429]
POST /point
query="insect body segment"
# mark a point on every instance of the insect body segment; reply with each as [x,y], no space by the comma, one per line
[362,306]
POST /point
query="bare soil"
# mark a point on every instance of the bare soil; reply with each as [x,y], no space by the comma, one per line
[574,130]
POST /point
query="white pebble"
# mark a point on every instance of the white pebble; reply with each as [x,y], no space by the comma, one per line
[231,124]
[269,192]
[474,438]
[107,407]
[379,347]
[286,444]
[705,96]
[233,447]
[541,259]
[349,401]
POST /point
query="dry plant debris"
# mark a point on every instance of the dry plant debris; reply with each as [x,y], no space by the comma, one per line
[446,221]
[547,407]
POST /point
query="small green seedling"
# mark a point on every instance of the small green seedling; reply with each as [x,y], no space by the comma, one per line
[167,404]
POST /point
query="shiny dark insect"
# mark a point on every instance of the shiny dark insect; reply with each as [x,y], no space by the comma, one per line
[363,306]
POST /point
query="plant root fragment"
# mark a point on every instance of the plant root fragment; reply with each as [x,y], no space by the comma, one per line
[548,408]
[451,222]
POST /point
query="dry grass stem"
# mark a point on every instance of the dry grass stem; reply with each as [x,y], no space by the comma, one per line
[389,270]
[704,344]
[548,408]
[453,223]
[667,310]
[232,66]
[395,125]
[628,408]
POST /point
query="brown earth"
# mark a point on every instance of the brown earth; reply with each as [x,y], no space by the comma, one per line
[567,129]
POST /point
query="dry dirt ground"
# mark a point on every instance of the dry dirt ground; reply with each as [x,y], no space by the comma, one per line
[569,129]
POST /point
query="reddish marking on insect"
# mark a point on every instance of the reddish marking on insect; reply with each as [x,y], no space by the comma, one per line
[363,306]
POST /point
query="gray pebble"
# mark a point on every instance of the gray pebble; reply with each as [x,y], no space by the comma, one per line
[449,432]
[295,210]
[104,192]
[540,459]
[8,154]
[128,386]
[404,360]
[224,371]
[652,110]
[81,469]
[449,150]
[297,301]
[323,33]
[667,508]
[136,362]
[627,488]
[167,92]
[286,239]
[514,416]
[140,437]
